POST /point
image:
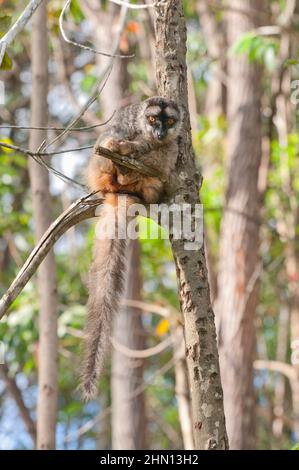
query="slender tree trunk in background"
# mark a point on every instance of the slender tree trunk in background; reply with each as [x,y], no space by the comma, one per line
[239,243]
[182,390]
[285,120]
[280,385]
[215,40]
[200,335]
[47,290]
[128,411]
[292,267]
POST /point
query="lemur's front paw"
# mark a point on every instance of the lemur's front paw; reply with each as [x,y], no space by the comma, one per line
[123,147]
[113,145]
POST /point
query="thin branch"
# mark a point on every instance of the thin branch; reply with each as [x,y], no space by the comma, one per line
[147,307]
[128,352]
[131,5]
[128,162]
[75,129]
[92,422]
[82,46]
[17,27]
[276,366]
[84,208]
[16,394]
[104,75]
[141,353]
[42,154]
[252,12]
[63,76]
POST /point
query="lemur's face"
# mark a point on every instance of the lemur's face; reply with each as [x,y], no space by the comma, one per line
[162,119]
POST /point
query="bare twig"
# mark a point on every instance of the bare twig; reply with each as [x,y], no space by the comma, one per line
[128,162]
[75,129]
[131,5]
[16,394]
[148,307]
[83,208]
[92,422]
[104,75]
[276,366]
[141,353]
[42,154]
[17,27]
[82,46]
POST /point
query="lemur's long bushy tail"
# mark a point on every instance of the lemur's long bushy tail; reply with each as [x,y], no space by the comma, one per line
[105,288]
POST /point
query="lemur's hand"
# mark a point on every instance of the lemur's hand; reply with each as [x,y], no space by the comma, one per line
[122,147]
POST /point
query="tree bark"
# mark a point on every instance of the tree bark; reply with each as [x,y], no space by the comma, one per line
[128,414]
[239,243]
[200,335]
[46,279]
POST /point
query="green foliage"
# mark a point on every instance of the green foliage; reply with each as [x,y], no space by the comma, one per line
[258,49]
[5,21]
[6,62]
[88,82]
[76,11]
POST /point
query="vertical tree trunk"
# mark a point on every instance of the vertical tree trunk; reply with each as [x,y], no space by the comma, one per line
[280,384]
[182,391]
[47,354]
[292,267]
[239,244]
[128,411]
[215,41]
[200,335]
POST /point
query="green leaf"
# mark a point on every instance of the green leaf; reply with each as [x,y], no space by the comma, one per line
[243,44]
[76,11]
[291,62]
[88,83]
[5,21]
[6,62]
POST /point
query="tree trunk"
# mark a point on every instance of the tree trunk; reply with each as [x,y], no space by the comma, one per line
[215,41]
[292,267]
[47,291]
[200,335]
[239,244]
[280,383]
[182,390]
[128,411]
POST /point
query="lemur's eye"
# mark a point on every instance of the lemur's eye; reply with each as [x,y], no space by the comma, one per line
[151,119]
[170,122]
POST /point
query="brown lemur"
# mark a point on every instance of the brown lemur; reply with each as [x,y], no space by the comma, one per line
[148,131]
